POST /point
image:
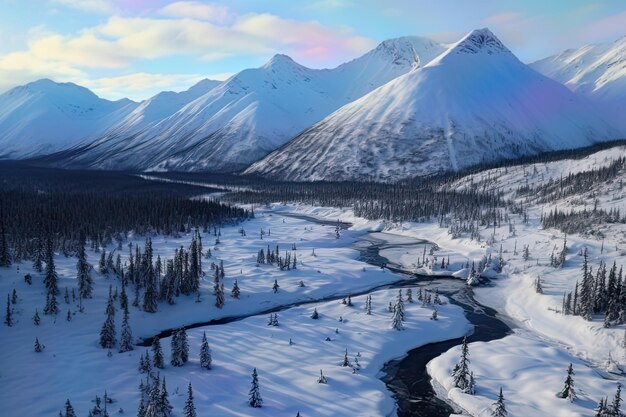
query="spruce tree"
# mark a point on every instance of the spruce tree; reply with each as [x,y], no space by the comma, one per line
[189,410]
[255,399]
[205,353]
[8,317]
[164,402]
[52,306]
[617,401]
[126,342]
[461,372]
[51,278]
[85,282]
[219,295]
[235,291]
[69,410]
[315,315]
[38,346]
[36,318]
[569,391]
[107,333]
[322,379]
[397,318]
[157,353]
[499,408]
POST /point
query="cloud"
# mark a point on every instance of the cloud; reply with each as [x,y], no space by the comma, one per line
[89,6]
[18,68]
[202,32]
[120,41]
[196,10]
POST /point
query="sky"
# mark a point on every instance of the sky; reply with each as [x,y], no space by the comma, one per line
[136,48]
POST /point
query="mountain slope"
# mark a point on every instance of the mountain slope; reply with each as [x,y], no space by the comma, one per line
[596,71]
[44,117]
[252,113]
[473,104]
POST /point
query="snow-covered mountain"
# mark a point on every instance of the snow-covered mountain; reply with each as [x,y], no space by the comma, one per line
[596,71]
[473,104]
[252,113]
[158,107]
[44,117]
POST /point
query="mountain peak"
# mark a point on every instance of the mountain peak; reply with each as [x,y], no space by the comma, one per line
[280,61]
[480,40]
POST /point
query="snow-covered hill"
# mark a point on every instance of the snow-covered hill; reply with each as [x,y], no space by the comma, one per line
[158,107]
[475,103]
[253,113]
[596,71]
[44,117]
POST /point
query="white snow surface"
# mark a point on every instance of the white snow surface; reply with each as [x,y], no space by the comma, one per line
[254,112]
[45,117]
[74,366]
[596,71]
[475,103]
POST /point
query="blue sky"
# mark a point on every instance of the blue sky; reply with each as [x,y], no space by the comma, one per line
[135,48]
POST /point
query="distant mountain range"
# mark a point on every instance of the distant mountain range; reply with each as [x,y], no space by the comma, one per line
[475,103]
[411,106]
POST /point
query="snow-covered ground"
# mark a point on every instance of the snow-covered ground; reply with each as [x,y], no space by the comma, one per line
[546,340]
[74,366]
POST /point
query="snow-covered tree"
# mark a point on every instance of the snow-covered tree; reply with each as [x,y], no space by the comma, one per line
[397,318]
[255,399]
[205,353]
[180,348]
[322,379]
[83,269]
[38,346]
[461,372]
[8,316]
[157,353]
[568,390]
[499,408]
[126,341]
[235,291]
[315,315]
[69,410]
[107,333]
[190,409]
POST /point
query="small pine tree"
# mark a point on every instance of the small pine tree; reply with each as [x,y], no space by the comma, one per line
[157,354]
[499,408]
[36,318]
[126,342]
[107,333]
[461,371]
[569,391]
[164,402]
[38,346]
[205,353]
[85,282]
[315,315]
[617,401]
[345,362]
[255,399]
[69,410]
[322,379]
[235,291]
[189,410]
[8,317]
